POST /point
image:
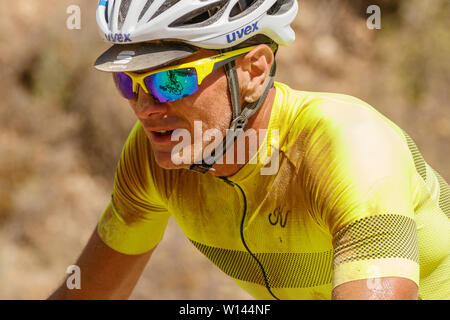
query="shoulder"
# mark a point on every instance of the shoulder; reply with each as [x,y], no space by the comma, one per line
[358,135]
[340,126]
[136,143]
[348,156]
[135,163]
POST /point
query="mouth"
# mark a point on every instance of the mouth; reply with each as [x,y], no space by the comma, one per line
[160,132]
[161,137]
[163,133]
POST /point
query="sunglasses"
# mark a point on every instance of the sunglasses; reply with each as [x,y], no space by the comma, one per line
[175,82]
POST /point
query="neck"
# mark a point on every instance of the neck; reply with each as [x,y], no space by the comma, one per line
[260,120]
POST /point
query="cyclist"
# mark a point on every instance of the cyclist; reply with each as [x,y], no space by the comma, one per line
[351,211]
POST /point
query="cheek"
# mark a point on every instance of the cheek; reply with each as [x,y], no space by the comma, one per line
[211,104]
[132,104]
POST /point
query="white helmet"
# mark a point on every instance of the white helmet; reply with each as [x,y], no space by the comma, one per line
[210,24]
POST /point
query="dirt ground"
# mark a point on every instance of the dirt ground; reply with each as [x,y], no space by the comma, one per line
[63,126]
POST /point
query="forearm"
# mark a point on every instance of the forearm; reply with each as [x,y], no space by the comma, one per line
[105,273]
[93,292]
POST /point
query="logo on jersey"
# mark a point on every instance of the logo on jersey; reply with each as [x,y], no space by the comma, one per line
[279,215]
[235,35]
[118,37]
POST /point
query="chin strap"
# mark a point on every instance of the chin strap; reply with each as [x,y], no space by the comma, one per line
[240,118]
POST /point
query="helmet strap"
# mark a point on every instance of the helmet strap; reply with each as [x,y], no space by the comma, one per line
[233,85]
[240,118]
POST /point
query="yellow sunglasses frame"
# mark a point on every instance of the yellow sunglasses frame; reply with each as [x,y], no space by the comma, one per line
[202,66]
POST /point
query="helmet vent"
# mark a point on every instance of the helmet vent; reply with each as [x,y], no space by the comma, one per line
[108,12]
[280,7]
[106,16]
[202,16]
[244,7]
[240,7]
[167,4]
[123,11]
[144,10]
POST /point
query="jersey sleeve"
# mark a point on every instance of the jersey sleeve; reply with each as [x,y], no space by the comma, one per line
[362,191]
[136,217]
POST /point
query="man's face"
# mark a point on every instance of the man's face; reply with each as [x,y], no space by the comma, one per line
[210,105]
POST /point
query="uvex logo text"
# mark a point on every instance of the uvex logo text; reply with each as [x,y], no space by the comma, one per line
[118,37]
[231,37]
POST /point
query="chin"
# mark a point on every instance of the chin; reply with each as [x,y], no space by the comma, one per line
[164,160]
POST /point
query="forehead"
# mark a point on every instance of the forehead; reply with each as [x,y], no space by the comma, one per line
[202,53]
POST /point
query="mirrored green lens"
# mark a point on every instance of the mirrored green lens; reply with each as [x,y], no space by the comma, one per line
[173,84]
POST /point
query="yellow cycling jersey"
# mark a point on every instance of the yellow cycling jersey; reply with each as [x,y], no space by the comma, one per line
[352,199]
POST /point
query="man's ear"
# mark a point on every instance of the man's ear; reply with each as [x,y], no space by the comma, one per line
[255,67]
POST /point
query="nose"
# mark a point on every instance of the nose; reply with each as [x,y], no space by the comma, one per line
[146,106]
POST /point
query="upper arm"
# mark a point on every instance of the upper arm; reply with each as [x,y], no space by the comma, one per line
[108,273]
[131,238]
[389,288]
[365,183]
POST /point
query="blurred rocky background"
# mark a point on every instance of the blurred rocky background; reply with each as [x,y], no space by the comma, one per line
[62,126]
